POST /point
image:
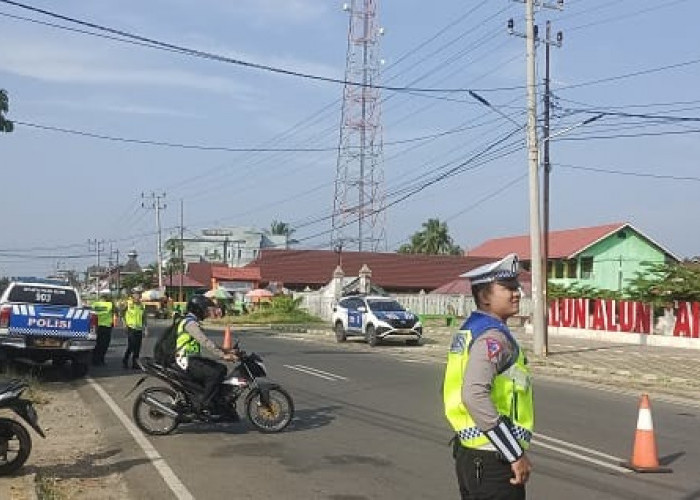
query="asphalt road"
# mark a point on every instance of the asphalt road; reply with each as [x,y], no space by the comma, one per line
[369,425]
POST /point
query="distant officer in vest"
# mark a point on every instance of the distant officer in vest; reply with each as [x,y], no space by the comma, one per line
[135,319]
[188,355]
[487,390]
[105,321]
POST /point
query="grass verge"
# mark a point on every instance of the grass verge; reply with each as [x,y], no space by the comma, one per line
[49,488]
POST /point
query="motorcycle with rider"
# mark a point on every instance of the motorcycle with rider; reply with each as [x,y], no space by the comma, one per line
[200,388]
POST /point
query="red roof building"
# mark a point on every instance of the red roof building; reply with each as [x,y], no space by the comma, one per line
[604,257]
[233,278]
[297,269]
[562,244]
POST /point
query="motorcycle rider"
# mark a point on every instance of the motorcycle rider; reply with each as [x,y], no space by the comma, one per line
[188,356]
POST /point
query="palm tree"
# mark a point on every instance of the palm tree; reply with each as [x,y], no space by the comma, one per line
[5,124]
[433,239]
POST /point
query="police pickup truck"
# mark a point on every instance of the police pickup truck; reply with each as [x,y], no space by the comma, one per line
[43,320]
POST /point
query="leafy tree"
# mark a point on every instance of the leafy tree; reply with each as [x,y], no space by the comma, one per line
[283,229]
[433,239]
[656,284]
[662,283]
[143,279]
[5,124]
[175,264]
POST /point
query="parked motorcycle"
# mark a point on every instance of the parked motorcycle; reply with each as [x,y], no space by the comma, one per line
[15,441]
[159,410]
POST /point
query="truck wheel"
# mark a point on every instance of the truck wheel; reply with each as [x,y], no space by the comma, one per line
[371,335]
[340,335]
[79,366]
[78,370]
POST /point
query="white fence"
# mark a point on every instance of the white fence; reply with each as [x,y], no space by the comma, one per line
[321,305]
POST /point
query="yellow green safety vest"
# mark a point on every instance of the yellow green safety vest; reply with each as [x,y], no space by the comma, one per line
[511,393]
[134,316]
[186,344]
[104,312]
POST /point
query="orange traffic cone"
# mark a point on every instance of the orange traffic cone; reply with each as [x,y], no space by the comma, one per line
[644,454]
[227,345]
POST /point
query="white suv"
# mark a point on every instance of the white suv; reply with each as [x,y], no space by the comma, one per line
[375,317]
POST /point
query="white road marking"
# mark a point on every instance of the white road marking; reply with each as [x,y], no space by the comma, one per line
[176,486]
[315,372]
[538,441]
[578,447]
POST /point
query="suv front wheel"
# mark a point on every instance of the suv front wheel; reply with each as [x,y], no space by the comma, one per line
[371,335]
[340,335]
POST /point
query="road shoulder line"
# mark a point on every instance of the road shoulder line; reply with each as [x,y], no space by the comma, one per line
[169,477]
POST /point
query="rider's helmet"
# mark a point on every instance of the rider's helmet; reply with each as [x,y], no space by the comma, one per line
[198,306]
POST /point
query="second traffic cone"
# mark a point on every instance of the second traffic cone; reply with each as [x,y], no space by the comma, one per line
[227,346]
[644,453]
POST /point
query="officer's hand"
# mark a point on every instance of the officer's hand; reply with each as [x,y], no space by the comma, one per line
[229,356]
[521,470]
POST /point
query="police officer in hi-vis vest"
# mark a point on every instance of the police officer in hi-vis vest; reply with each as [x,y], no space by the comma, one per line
[105,321]
[135,319]
[487,391]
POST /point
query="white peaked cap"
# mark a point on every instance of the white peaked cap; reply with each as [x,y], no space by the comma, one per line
[504,269]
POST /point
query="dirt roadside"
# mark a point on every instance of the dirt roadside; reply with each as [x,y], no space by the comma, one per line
[73,461]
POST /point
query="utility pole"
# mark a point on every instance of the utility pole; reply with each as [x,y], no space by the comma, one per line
[536,257]
[547,169]
[181,248]
[533,169]
[97,246]
[154,203]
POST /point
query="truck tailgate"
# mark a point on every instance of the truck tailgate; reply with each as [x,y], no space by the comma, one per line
[49,321]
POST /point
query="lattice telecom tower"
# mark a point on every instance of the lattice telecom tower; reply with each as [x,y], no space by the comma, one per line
[359,182]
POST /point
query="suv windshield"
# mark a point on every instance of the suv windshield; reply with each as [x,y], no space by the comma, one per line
[384,305]
[43,295]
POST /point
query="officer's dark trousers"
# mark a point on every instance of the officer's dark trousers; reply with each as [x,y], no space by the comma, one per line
[207,372]
[133,345]
[104,337]
[484,475]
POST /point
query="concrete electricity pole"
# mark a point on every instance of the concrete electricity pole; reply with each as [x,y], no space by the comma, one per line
[533,169]
[154,203]
[547,169]
[98,247]
[536,258]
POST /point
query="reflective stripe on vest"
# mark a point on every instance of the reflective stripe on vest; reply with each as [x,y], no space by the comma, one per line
[511,394]
[134,316]
[186,344]
[104,312]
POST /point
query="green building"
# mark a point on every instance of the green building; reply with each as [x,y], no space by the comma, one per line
[604,257]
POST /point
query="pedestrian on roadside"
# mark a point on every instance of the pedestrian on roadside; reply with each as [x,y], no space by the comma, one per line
[135,319]
[487,390]
[105,321]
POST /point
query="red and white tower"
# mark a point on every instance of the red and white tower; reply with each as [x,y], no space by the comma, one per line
[358,208]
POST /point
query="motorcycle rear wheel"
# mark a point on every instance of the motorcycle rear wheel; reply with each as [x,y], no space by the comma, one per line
[13,456]
[149,419]
[273,417]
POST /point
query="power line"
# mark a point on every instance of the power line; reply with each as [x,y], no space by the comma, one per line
[626,75]
[625,16]
[631,174]
[239,62]
[625,136]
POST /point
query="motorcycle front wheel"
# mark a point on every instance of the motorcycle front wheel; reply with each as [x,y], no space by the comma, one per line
[272,417]
[149,418]
[15,446]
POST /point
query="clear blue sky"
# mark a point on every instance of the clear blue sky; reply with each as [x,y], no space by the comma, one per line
[61,190]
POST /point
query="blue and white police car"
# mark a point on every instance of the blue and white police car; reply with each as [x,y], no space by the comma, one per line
[375,317]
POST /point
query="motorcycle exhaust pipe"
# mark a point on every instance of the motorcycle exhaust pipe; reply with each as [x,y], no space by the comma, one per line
[154,403]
